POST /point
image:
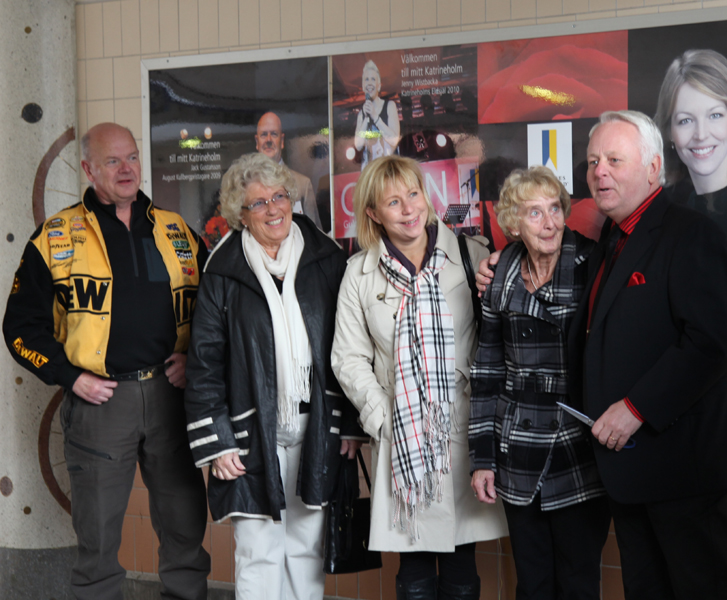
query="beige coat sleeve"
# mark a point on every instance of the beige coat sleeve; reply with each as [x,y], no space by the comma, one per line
[477,245]
[352,357]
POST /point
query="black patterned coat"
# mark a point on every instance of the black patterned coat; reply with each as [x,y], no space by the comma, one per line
[520,372]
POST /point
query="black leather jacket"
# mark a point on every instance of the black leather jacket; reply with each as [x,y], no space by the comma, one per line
[231,382]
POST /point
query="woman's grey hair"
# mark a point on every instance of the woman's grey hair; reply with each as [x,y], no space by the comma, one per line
[705,71]
[651,143]
[251,168]
[527,184]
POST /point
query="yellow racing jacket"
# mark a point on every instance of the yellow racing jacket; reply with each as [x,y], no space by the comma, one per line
[58,316]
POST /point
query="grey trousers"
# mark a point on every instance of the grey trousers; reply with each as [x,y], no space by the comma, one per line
[144,422]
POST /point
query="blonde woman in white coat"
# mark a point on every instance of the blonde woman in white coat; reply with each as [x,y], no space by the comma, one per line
[404,342]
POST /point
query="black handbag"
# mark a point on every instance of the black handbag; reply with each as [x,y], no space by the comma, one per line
[347,523]
[471,280]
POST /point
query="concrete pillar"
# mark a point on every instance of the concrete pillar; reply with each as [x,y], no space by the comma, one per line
[39,175]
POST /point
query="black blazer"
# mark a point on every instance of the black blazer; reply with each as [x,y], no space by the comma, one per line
[664,345]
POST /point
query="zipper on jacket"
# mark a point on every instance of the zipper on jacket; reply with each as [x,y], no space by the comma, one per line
[133,253]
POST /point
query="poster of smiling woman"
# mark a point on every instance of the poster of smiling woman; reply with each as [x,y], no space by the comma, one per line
[684,87]
[417,102]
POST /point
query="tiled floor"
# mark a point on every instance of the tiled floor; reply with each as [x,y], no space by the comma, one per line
[494,559]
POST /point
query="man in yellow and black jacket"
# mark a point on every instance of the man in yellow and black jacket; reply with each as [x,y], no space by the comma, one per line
[101,305]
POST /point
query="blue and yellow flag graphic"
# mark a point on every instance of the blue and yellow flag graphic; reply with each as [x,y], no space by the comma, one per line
[550,147]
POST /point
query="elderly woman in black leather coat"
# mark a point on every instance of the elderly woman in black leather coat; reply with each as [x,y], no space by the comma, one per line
[263,407]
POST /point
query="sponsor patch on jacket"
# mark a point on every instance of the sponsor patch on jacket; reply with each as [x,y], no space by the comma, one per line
[84,293]
[177,236]
[16,281]
[180,244]
[188,271]
[184,255]
[32,356]
[78,218]
[59,245]
[172,227]
[56,223]
[78,227]
[63,255]
[78,239]
[54,234]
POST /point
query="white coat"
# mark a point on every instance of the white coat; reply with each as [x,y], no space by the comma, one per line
[363,362]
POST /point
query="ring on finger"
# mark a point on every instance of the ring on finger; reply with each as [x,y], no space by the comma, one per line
[613,438]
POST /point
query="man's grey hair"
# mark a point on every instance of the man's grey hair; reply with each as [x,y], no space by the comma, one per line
[86,142]
[651,141]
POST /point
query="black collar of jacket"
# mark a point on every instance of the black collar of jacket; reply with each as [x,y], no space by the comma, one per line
[651,218]
[92,204]
[228,260]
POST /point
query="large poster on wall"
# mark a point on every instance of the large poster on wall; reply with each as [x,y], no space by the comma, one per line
[469,113]
[203,118]
[472,113]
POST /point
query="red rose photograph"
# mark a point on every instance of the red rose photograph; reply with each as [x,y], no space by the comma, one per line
[558,78]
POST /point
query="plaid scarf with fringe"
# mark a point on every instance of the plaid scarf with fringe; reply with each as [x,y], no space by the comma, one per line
[425,388]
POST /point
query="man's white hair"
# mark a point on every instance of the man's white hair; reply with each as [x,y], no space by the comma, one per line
[651,142]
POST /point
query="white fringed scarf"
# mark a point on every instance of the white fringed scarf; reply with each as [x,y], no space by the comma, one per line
[425,388]
[293,355]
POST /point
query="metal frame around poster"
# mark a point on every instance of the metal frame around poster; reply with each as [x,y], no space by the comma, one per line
[630,22]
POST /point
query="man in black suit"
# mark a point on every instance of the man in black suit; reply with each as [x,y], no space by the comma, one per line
[654,369]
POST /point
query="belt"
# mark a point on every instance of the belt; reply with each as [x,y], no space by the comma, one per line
[537,382]
[140,375]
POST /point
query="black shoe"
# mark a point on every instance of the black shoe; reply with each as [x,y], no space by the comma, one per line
[423,589]
[457,591]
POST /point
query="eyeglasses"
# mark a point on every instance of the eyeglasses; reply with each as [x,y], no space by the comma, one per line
[260,205]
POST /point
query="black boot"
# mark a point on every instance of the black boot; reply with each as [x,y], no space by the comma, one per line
[422,589]
[458,591]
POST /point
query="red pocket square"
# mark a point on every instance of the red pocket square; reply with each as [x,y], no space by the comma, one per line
[636,279]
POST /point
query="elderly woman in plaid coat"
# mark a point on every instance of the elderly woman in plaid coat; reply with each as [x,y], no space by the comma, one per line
[523,447]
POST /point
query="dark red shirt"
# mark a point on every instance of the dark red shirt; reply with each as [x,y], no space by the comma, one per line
[627,227]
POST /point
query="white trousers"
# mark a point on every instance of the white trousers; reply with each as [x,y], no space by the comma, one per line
[282,561]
